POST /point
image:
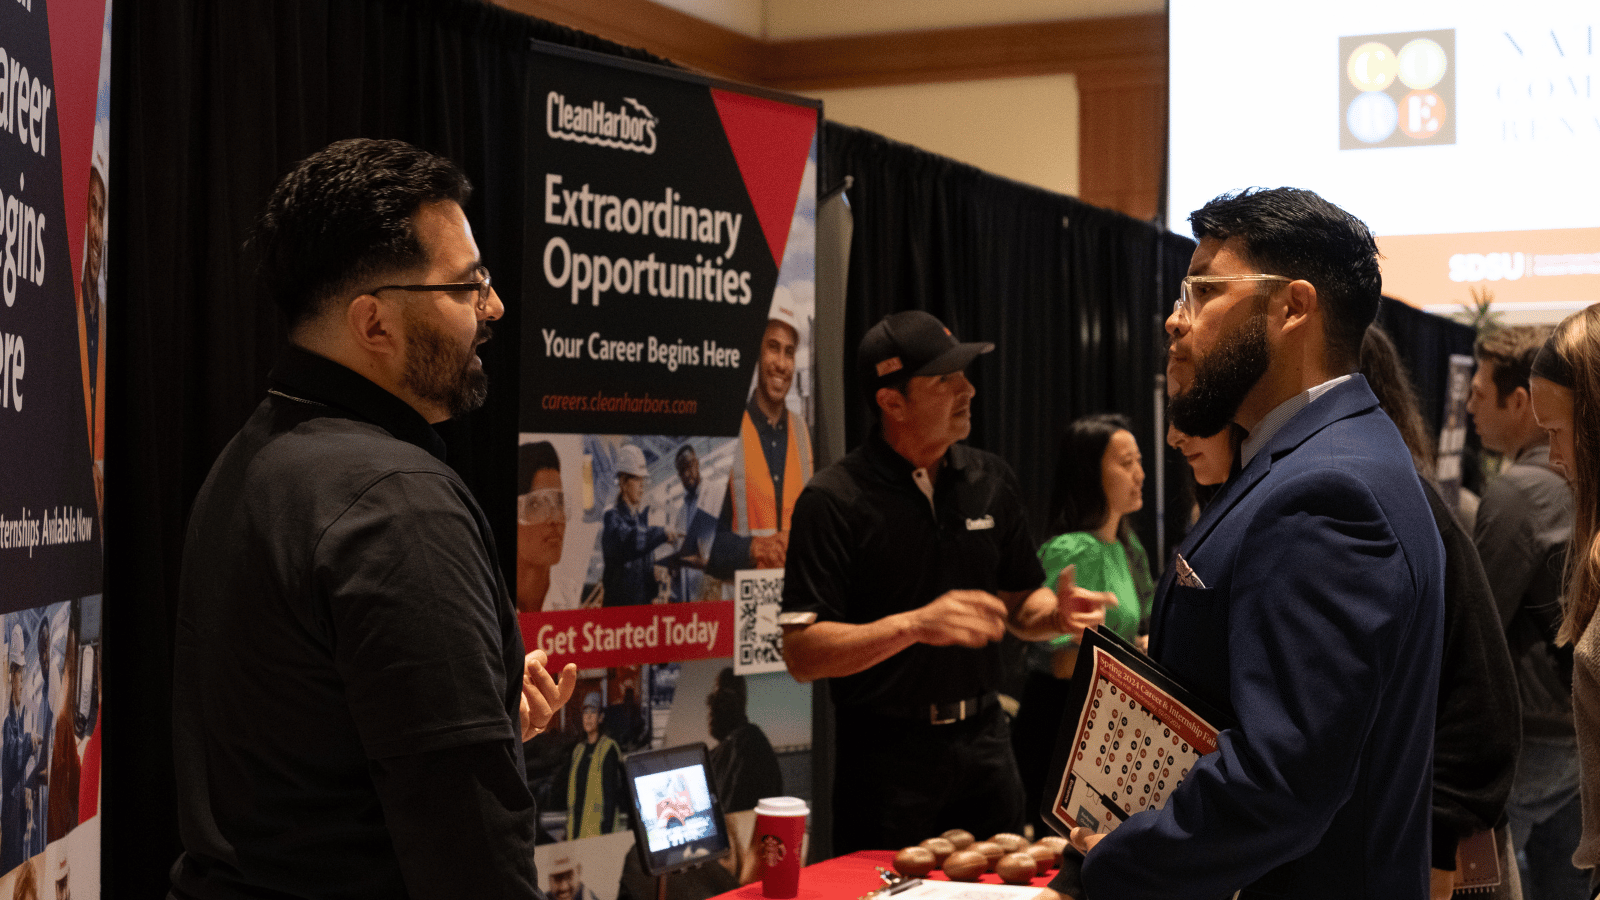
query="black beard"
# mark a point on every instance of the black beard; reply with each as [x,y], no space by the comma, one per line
[1222,378]
[440,371]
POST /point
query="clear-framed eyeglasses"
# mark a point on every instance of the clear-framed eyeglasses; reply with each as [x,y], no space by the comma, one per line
[1196,289]
[480,288]
[541,506]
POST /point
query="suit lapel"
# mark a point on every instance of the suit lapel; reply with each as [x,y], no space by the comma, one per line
[1230,495]
[1345,400]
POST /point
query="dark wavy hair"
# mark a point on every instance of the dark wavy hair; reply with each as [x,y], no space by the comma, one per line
[1297,234]
[1512,350]
[342,218]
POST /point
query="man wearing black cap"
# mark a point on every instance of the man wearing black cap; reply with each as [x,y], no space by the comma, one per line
[908,559]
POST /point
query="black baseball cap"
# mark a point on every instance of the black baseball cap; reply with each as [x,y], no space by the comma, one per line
[911,343]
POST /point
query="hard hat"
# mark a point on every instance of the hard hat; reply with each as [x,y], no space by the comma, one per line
[783,310]
[630,461]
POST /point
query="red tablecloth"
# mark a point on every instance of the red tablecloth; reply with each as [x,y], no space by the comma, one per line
[850,876]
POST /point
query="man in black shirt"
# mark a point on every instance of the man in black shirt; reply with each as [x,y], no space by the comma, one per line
[908,560]
[351,694]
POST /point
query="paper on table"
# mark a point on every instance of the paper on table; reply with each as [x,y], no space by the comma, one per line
[959,890]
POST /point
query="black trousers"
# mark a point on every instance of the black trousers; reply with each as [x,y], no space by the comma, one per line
[898,782]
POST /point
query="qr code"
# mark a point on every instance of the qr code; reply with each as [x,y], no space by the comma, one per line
[758,638]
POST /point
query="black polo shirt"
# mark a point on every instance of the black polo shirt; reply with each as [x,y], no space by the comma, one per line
[866,542]
[348,662]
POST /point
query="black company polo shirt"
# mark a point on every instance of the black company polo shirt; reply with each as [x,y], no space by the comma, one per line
[866,542]
[348,663]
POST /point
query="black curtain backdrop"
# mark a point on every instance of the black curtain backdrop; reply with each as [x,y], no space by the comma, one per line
[1072,296]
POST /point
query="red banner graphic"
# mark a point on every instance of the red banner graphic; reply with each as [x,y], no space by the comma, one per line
[631,635]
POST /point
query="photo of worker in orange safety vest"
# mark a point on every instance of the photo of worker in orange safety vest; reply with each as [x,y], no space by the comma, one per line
[773,461]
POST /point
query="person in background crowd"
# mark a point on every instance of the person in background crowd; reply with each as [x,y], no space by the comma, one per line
[1099,483]
[1476,735]
[1307,602]
[627,539]
[541,522]
[908,560]
[350,690]
[1522,531]
[596,785]
[1565,392]
[1211,460]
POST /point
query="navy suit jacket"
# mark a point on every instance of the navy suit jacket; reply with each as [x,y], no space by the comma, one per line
[1318,630]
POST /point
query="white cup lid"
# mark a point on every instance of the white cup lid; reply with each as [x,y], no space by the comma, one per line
[781,806]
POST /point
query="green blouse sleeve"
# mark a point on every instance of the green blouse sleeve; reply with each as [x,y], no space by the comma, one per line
[1101,567]
[1078,548]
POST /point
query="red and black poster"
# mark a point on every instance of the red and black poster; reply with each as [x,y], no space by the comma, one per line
[666,411]
[54,179]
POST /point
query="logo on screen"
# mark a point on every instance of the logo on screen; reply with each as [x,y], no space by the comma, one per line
[1397,90]
[626,126]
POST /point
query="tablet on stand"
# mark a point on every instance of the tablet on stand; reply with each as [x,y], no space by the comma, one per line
[677,818]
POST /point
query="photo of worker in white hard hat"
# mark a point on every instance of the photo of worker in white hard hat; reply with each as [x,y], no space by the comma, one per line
[774,458]
[628,541]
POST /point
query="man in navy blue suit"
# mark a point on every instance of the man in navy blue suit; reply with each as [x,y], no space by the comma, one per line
[1307,601]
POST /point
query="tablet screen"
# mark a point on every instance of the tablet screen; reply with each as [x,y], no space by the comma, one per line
[677,819]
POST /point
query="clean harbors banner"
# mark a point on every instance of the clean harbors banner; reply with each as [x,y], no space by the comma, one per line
[665,416]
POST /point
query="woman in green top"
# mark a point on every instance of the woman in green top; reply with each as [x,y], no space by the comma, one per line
[1099,483]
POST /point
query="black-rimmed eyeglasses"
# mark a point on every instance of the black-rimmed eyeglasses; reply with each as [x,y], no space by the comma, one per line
[481,288]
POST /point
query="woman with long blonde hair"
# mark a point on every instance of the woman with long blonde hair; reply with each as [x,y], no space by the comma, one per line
[1565,387]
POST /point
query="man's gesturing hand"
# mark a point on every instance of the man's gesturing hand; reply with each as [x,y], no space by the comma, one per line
[541,695]
[964,618]
[1079,609]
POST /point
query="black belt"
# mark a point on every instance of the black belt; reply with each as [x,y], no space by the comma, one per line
[947,713]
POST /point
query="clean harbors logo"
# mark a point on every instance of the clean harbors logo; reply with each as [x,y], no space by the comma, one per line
[1397,90]
[601,125]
